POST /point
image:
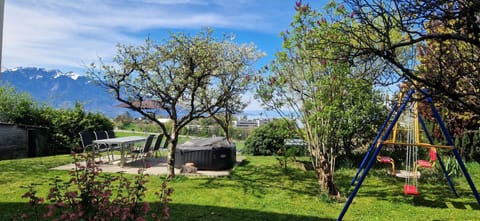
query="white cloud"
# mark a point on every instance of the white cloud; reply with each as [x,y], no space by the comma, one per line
[63,34]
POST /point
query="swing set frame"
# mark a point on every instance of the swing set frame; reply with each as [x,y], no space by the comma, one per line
[382,139]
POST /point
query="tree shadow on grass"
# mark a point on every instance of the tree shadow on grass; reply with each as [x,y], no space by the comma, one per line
[444,203]
[390,188]
[187,212]
[432,196]
[259,179]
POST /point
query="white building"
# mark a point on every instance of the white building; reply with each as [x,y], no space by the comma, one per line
[249,123]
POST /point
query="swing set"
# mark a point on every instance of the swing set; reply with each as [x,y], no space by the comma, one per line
[407,122]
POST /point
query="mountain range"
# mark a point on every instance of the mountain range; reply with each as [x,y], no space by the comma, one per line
[61,89]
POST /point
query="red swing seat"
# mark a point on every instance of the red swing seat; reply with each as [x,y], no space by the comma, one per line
[410,190]
[424,164]
[429,163]
[387,160]
[384,159]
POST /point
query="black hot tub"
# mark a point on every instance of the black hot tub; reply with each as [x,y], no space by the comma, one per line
[214,153]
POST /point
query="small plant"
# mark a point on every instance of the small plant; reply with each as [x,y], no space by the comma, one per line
[436,175]
[451,166]
[286,153]
[91,195]
[34,202]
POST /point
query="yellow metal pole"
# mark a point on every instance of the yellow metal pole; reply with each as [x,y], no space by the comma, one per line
[416,125]
[400,97]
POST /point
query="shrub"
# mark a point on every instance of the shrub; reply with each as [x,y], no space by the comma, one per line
[123,121]
[65,124]
[19,108]
[88,195]
[269,138]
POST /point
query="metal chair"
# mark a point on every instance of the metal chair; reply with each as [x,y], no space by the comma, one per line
[157,145]
[110,135]
[100,135]
[86,140]
[142,151]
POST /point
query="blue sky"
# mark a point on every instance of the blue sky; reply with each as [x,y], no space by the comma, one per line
[67,34]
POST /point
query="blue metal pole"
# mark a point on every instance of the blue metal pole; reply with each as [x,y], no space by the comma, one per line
[375,141]
[449,180]
[455,150]
[375,154]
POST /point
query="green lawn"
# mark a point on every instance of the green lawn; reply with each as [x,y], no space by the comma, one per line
[259,190]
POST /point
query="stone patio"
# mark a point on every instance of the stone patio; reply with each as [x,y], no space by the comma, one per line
[157,166]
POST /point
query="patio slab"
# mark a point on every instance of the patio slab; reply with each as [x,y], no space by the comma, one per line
[157,166]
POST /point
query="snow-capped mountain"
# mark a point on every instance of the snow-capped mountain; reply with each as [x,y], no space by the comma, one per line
[61,90]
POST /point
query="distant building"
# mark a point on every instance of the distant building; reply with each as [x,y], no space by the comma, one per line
[164,120]
[249,123]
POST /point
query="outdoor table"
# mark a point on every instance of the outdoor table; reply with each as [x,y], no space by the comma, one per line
[122,142]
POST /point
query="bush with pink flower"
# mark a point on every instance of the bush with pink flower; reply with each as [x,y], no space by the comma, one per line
[92,195]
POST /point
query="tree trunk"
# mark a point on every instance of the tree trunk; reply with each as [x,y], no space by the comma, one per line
[224,125]
[171,155]
[325,177]
[227,134]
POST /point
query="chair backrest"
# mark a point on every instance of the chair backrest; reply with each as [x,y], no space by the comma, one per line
[110,134]
[148,143]
[433,154]
[158,142]
[100,134]
[165,144]
[86,139]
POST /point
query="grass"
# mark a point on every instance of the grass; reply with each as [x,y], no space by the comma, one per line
[259,190]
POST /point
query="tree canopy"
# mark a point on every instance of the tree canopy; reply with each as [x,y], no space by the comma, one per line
[389,34]
[184,77]
[309,82]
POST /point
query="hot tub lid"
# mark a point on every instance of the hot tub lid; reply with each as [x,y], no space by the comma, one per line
[206,143]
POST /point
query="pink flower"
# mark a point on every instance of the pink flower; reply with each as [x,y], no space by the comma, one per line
[60,204]
[71,194]
[146,207]
[166,212]
[27,195]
